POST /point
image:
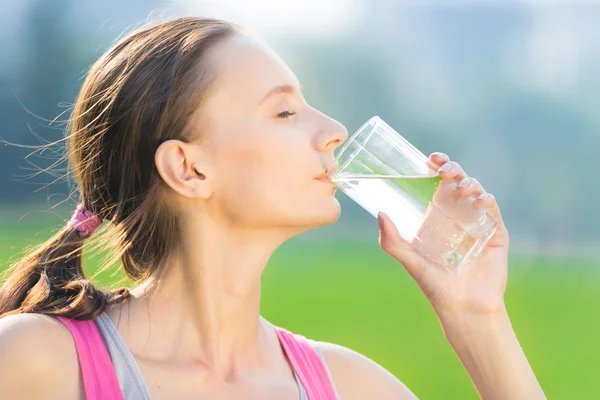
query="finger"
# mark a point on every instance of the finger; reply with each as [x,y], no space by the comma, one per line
[489,203]
[470,186]
[392,243]
[452,170]
[436,160]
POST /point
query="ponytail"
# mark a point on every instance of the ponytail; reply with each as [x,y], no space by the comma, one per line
[141,92]
[50,281]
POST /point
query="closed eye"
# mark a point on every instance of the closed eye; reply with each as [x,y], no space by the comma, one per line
[285,114]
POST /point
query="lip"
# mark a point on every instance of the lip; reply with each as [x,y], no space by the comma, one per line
[324,178]
[327,173]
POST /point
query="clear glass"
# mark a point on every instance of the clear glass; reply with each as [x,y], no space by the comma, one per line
[382,171]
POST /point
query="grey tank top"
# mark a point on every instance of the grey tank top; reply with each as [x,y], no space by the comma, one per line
[128,373]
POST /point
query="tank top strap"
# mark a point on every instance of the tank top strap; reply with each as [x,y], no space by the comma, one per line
[308,365]
[99,378]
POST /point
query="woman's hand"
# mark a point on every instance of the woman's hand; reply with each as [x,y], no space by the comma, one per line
[470,305]
[479,288]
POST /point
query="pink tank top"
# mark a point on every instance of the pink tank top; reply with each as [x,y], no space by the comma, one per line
[100,380]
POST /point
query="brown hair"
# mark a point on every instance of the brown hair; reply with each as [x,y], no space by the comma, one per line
[140,93]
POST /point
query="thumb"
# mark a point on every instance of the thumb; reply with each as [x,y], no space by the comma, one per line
[392,243]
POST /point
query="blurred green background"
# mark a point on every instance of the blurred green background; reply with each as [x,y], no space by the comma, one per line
[351,293]
[507,88]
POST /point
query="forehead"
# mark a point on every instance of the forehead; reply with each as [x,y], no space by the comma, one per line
[246,69]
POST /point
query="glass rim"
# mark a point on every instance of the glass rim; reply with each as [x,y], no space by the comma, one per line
[375,120]
[402,145]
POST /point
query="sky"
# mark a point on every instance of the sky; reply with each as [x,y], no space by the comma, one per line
[310,18]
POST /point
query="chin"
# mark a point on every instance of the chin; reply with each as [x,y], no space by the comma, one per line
[315,215]
[329,213]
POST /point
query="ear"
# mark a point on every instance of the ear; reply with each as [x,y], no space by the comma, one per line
[179,166]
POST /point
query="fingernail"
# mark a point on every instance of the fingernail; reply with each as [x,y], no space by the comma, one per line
[464,183]
[485,196]
[446,167]
[442,155]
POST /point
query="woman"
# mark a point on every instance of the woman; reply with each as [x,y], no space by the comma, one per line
[194,141]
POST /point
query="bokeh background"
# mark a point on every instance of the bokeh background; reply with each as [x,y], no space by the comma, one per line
[510,89]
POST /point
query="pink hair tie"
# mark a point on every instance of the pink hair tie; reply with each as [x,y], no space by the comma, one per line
[84,221]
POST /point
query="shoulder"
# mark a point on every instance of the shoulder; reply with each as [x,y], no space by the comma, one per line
[34,339]
[37,348]
[358,377]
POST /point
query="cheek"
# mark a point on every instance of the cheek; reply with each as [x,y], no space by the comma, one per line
[263,197]
[262,181]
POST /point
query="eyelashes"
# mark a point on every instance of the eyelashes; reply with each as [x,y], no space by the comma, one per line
[285,114]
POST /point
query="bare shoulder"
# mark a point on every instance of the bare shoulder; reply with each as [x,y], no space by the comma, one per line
[358,377]
[37,358]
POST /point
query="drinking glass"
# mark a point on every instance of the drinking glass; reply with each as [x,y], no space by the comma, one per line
[382,171]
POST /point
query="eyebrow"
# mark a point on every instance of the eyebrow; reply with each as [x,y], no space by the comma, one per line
[287,88]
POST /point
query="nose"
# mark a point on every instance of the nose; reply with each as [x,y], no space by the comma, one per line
[332,135]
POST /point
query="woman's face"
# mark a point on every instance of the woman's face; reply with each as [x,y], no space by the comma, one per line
[263,147]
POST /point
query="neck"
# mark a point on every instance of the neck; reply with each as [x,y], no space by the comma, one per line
[204,303]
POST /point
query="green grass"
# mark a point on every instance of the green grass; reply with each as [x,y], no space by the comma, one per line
[355,295]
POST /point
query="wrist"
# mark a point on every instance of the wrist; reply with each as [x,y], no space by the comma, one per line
[490,352]
[460,326]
